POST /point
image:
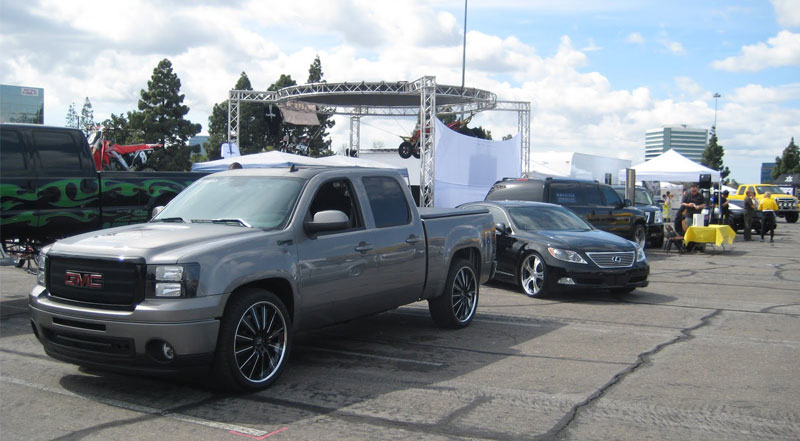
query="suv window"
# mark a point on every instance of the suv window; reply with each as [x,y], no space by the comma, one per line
[592,195]
[611,196]
[387,200]
[565,193]
[337,195]
[58,151]
[12,159]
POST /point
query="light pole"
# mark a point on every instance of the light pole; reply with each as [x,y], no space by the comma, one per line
[716,97]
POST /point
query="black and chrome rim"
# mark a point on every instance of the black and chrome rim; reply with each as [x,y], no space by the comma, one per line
[465,294]
[260,342]
[532,275]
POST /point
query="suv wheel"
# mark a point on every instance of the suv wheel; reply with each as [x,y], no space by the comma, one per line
[639,235]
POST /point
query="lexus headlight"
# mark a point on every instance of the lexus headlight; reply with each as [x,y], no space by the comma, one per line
[640,256]
[566,255]
[170,281]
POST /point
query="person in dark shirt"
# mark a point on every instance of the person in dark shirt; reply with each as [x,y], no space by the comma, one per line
[750,206]
[692,203]
[724,206]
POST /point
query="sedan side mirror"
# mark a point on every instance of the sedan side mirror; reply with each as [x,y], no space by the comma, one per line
[501,228]
[327,220]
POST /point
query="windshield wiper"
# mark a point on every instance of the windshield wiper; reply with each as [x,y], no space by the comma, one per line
[223,221]
[171,219]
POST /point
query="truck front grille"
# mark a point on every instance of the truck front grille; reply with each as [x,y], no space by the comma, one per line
[111,284]
[122,347]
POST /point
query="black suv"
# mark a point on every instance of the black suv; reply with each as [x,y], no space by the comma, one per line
[596,203]
[655,215]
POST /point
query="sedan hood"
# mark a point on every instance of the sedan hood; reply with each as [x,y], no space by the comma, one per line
[151,239]
[592,240]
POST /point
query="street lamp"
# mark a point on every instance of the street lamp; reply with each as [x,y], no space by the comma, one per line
[716,97]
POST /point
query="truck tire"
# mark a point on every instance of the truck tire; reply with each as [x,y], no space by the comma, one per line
[532,276]
[254,342]
[792,217]
[639,235]
[456,306]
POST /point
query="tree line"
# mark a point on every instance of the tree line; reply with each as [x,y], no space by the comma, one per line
[160,118]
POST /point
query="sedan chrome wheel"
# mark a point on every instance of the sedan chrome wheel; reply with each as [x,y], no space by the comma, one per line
[532,275]
[260,342]
[465,293]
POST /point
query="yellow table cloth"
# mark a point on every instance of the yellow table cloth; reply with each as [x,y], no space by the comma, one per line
[716,234]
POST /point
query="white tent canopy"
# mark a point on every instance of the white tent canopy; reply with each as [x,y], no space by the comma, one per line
[275,159]
[671,166]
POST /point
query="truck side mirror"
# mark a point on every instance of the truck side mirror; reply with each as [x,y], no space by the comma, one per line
[627,203]
[327,220]
[156,211]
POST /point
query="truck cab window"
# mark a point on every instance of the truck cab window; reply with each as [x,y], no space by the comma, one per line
[387,200]
[12,159]
[337,195]
[58,152]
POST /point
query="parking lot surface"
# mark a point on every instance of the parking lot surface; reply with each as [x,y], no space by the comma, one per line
[708,351]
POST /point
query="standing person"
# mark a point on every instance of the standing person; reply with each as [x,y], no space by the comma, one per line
[693,202]
[667,207]
[750,205]
[768,207]
[724,207]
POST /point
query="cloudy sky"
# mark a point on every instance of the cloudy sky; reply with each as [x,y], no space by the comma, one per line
[598,73]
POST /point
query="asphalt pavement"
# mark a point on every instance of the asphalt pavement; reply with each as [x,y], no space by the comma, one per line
[709,350]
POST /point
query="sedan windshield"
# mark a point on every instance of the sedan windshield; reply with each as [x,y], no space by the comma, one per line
[246,201]
[547,218]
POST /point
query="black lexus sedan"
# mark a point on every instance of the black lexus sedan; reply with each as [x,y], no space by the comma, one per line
[545,248]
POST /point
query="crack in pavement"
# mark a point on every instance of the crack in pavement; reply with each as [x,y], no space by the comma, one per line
[558,431]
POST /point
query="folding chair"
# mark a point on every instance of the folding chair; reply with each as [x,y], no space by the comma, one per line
[673,239]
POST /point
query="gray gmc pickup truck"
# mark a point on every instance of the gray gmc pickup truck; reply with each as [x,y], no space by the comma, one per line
[240,261]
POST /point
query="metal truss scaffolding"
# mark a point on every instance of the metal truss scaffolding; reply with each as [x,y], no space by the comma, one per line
[422,98]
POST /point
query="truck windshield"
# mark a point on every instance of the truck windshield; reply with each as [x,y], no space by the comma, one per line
[547,218]
[769,188]
[247,201]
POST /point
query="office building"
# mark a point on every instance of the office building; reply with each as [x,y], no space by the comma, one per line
[21,104]
[687,141]
[766,172]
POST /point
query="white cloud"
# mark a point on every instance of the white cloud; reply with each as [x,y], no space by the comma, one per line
[787,12]
[591,47]
[673,47]
[635,37]
[756,94]
[691,89]
[780,50]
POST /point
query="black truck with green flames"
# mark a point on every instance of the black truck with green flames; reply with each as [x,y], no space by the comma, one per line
[49,188]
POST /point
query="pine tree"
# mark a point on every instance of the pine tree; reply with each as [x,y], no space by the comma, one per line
[712,157]
[86,121]
[788,162]
[319,140]
[160,119]
[72,117]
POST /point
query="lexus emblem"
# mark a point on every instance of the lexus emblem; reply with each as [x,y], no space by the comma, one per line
[80,279]
[616,259]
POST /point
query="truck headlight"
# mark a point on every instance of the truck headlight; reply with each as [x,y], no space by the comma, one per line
[41,276]
[566,255]
[659,219]
[170,281]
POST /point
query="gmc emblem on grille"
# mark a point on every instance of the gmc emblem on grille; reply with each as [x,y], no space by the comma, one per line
[616,259]
[83,280]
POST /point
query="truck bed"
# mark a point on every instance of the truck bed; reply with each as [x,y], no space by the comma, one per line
[436,213]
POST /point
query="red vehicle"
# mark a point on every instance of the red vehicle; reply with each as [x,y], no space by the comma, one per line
[109,156]
[410,144]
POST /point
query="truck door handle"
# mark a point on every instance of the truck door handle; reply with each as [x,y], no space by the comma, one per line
[413,239]
[363,247]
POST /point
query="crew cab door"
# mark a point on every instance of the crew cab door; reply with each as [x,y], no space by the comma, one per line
[337,268]
[66,182]
[398,239]
[619,218]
